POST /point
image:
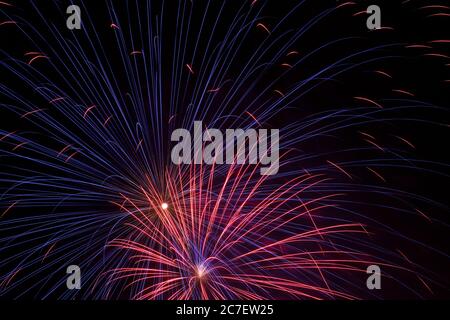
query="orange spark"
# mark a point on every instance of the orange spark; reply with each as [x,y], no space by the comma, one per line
[367,135]
[56,100]
[253,117]
[32,112]
[279,92]
[8,279]
[404,256]
[88,110]
[348,3]
[424,215]
[71,156]
[19,145]
[32,53]
[292,53]
[37,57]
[440,41]
[48,251]
[213,90]
[442,14]
[286,65]
[340,169]
[404,92]
[383,73]
[406,141]
[64,149]
[262,26]
[425,284]
[435,7]
[9,208]
[439,55]
[7,135]
[376,173]
[422,46]
[368,100]
[8,22]
[359,13]
[191,70]
[107,120]
[374,144]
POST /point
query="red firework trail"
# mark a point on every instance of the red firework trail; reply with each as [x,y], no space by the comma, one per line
[231,243]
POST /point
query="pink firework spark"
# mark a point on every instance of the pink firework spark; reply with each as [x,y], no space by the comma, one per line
[197,241]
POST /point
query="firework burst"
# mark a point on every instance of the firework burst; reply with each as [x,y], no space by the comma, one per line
[86,175]
[247,239]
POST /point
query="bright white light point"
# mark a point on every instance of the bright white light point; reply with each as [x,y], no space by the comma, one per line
[200,270]
[164,205]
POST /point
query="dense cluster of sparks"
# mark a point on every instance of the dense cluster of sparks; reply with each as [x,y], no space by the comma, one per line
[232,243]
